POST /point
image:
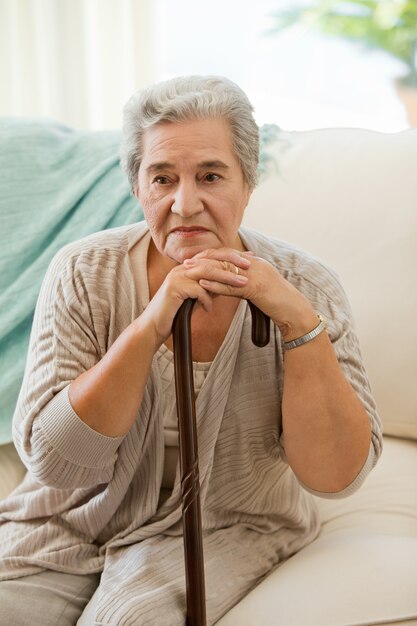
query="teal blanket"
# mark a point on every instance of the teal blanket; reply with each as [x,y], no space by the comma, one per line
[56,185]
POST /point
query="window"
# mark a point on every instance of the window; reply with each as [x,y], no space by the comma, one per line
[296,79]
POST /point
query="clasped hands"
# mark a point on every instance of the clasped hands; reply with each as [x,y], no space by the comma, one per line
[229,272]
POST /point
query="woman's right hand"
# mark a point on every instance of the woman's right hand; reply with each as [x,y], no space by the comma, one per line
[177,287]
[181,283]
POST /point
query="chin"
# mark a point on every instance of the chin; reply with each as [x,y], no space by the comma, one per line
[181,254]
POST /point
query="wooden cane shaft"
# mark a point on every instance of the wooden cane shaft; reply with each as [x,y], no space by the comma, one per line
[190,484]
[188,451]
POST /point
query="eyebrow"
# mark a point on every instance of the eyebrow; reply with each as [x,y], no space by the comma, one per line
[159,167]
[166,165]
[214,164]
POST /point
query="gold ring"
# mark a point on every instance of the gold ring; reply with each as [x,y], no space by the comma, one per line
[236,269]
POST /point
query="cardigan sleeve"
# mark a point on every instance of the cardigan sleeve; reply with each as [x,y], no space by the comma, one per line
[56,446]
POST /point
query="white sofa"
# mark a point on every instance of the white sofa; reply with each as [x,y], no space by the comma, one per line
[350,197]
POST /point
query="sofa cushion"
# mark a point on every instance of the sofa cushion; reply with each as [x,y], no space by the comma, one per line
[349,196]
[362,569]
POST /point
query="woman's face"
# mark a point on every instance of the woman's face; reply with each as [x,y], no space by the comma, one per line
[191,187]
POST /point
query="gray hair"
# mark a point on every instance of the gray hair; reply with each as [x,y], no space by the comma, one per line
[190,98]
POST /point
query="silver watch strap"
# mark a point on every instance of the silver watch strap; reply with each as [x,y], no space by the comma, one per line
[322,325]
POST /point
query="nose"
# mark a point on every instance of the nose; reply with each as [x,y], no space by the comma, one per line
[187,200]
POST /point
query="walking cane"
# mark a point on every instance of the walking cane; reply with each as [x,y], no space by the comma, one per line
[190,484]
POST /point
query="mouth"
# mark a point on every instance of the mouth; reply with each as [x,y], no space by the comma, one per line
[188,231]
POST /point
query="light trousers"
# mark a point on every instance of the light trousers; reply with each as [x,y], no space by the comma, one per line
[47,599]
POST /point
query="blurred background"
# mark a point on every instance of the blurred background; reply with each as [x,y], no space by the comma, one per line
[304,65]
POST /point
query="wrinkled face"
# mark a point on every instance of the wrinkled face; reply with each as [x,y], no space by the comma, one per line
[191,187]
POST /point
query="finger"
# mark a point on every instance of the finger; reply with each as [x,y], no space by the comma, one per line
[180,286]
[230,263]
[222,289]
[222,272]
[195,291]
[223,254]
[205,299]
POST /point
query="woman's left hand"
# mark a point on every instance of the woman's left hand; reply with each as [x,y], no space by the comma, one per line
[262,284]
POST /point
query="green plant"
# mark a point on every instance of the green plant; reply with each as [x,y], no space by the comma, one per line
[388,25]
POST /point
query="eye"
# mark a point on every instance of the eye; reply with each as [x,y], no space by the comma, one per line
[210,177]
[161,180]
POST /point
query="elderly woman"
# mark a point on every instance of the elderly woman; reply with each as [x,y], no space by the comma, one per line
[96,424]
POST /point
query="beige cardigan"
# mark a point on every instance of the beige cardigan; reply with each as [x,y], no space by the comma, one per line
[90,502]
